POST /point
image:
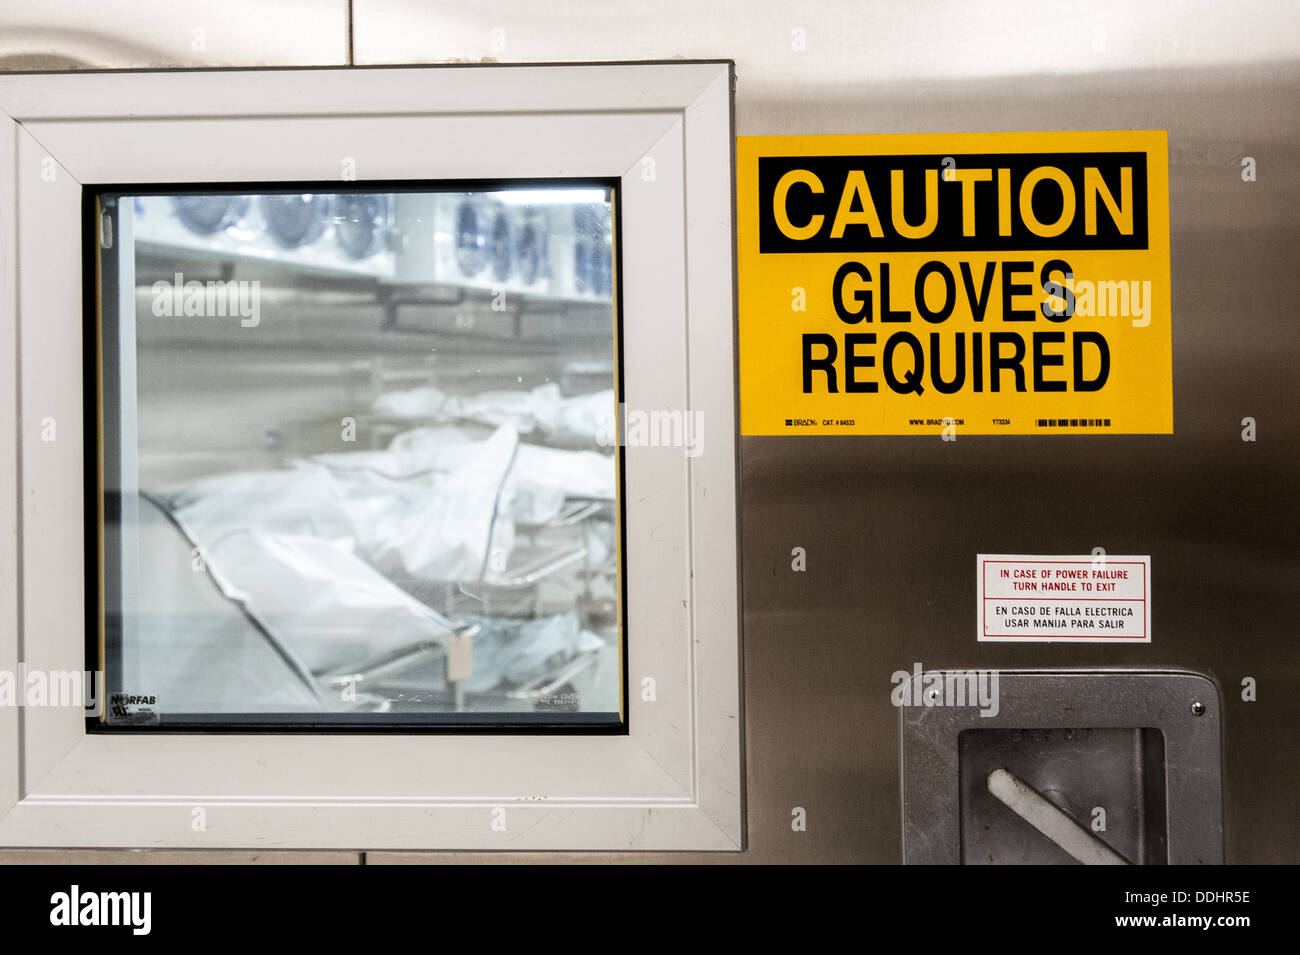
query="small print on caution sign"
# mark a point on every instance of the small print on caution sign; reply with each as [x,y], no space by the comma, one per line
[977,283]
[1030,599]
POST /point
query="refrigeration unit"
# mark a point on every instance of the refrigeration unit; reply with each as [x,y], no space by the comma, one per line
[343,446]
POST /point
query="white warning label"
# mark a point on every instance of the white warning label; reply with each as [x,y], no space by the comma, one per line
[1070,599]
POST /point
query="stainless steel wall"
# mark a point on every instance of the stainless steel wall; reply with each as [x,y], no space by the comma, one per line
[892,525]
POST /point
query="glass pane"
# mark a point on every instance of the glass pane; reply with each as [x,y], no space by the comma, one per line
[359,458]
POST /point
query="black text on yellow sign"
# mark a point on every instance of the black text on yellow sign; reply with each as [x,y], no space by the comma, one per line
[1010,283]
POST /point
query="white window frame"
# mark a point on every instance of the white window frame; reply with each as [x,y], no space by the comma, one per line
[674,781]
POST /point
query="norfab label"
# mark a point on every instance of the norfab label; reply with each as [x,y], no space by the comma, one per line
[980,283]
[1030,599]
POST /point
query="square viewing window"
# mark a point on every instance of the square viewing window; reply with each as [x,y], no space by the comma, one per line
[359,457]
[374,457]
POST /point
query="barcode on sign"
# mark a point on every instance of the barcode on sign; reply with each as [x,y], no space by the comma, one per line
[1074,422]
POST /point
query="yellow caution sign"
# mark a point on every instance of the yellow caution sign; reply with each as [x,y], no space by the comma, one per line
[978,283]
